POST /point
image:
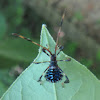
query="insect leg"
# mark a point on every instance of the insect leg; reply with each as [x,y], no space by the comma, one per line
[60,48]
[42,75]
[44,50]
[68,59]
[41,62]
[67,80]
[15,34]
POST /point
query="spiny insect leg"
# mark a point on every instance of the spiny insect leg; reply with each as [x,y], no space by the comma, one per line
[42,75]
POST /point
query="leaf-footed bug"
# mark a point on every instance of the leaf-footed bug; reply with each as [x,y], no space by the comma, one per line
[53,72]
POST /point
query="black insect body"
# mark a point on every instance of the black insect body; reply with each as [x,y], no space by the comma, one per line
[52,73]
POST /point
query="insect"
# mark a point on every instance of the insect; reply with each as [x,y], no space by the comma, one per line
[53,73]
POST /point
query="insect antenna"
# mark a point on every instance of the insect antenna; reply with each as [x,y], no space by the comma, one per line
[59,31]
[15,34]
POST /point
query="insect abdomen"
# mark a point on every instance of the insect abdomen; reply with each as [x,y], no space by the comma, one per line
[53,75]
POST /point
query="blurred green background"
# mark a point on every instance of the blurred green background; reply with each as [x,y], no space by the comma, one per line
[80,33]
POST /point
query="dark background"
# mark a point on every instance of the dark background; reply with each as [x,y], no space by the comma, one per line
[80,33]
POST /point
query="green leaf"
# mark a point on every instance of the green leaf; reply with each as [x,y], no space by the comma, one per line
[83,84]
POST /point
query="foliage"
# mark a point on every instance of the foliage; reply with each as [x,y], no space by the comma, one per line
[5,80]
[83,84]
[3,26]
[19,18]
[87,62]
[78,16]
[98,55]
[71,48]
